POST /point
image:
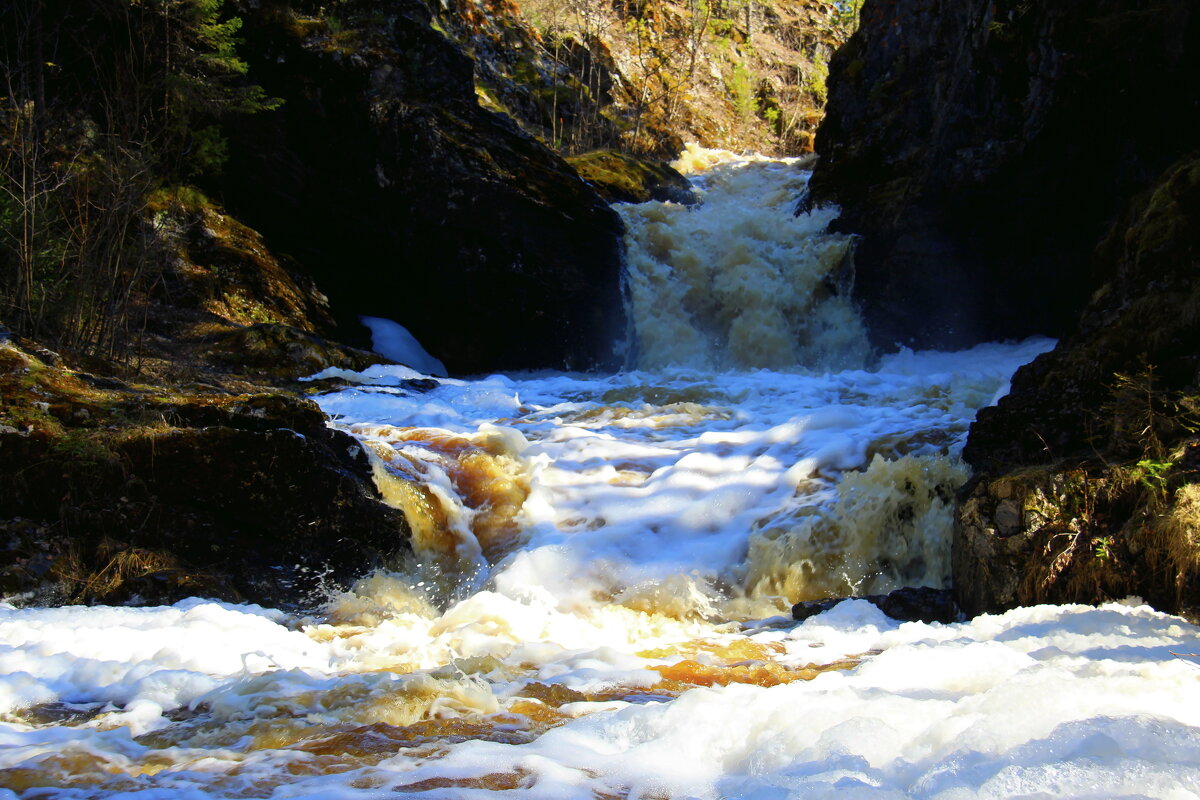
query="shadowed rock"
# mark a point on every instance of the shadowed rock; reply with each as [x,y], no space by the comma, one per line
[921,604]
[981,149]
[117,492]
[406,200]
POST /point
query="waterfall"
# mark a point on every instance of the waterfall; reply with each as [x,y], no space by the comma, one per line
[739,281]
[597,605]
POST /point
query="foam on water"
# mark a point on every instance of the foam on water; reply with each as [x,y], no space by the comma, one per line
[738,280]
[1038,702]
[761,485]
[594,610]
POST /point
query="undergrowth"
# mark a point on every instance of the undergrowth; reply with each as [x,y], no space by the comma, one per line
[1129,518]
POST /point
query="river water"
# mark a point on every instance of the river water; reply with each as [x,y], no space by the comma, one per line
[598,602]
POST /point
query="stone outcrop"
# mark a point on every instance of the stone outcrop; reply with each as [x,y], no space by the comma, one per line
[1089,470]
[407,200]
[907,604]
[1079,533]
[622,178]
[224,307]
[117,492]
[1018,168]
[982,147]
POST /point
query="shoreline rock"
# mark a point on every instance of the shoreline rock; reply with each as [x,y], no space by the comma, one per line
[120,492]
[907,604]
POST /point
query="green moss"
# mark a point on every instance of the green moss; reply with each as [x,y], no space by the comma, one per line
[740,87]
[621,177]
[1166,219]
[525,72]
[84,449]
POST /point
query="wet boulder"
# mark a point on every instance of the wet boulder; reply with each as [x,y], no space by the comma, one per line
[907,604]
[119,492]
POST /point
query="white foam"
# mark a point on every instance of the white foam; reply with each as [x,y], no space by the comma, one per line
[739,280]
[646,493]
[392,340]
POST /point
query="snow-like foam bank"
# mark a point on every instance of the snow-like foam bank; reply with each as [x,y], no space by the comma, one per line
[392,340]
[1038,702]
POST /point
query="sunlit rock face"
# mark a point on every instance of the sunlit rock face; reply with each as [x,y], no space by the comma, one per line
[982,148]
[383,176]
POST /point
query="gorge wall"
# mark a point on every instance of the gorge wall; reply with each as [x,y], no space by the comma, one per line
[981,148]
[405,199]
[1018,168]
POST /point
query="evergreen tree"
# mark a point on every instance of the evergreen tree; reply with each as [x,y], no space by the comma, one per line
[103,101]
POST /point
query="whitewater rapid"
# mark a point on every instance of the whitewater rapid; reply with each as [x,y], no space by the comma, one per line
[597,605]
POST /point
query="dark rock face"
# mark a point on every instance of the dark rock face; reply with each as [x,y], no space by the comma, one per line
[115,492]
[1089,471]
[1143,318]
[981,148]
[406,200]
[1017,168]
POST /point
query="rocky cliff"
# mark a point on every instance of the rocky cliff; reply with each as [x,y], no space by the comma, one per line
[1017,168]
[407,200]
[1088,481]
[981,148]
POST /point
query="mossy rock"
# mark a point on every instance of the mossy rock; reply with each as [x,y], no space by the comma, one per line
[283,352]
[119,493]
[623,178]
[1082,533]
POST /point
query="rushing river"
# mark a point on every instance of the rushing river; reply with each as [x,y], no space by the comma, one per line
[597,605]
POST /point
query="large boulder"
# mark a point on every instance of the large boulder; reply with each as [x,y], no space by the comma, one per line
[981,147]
[383,176]
[116,492]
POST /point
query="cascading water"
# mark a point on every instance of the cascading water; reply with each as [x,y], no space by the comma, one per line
[596,606]
[740,282]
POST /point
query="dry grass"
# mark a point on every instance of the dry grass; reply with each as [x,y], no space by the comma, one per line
[114,565]
[1176,536]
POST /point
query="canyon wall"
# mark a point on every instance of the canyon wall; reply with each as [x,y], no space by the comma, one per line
[1017,168]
